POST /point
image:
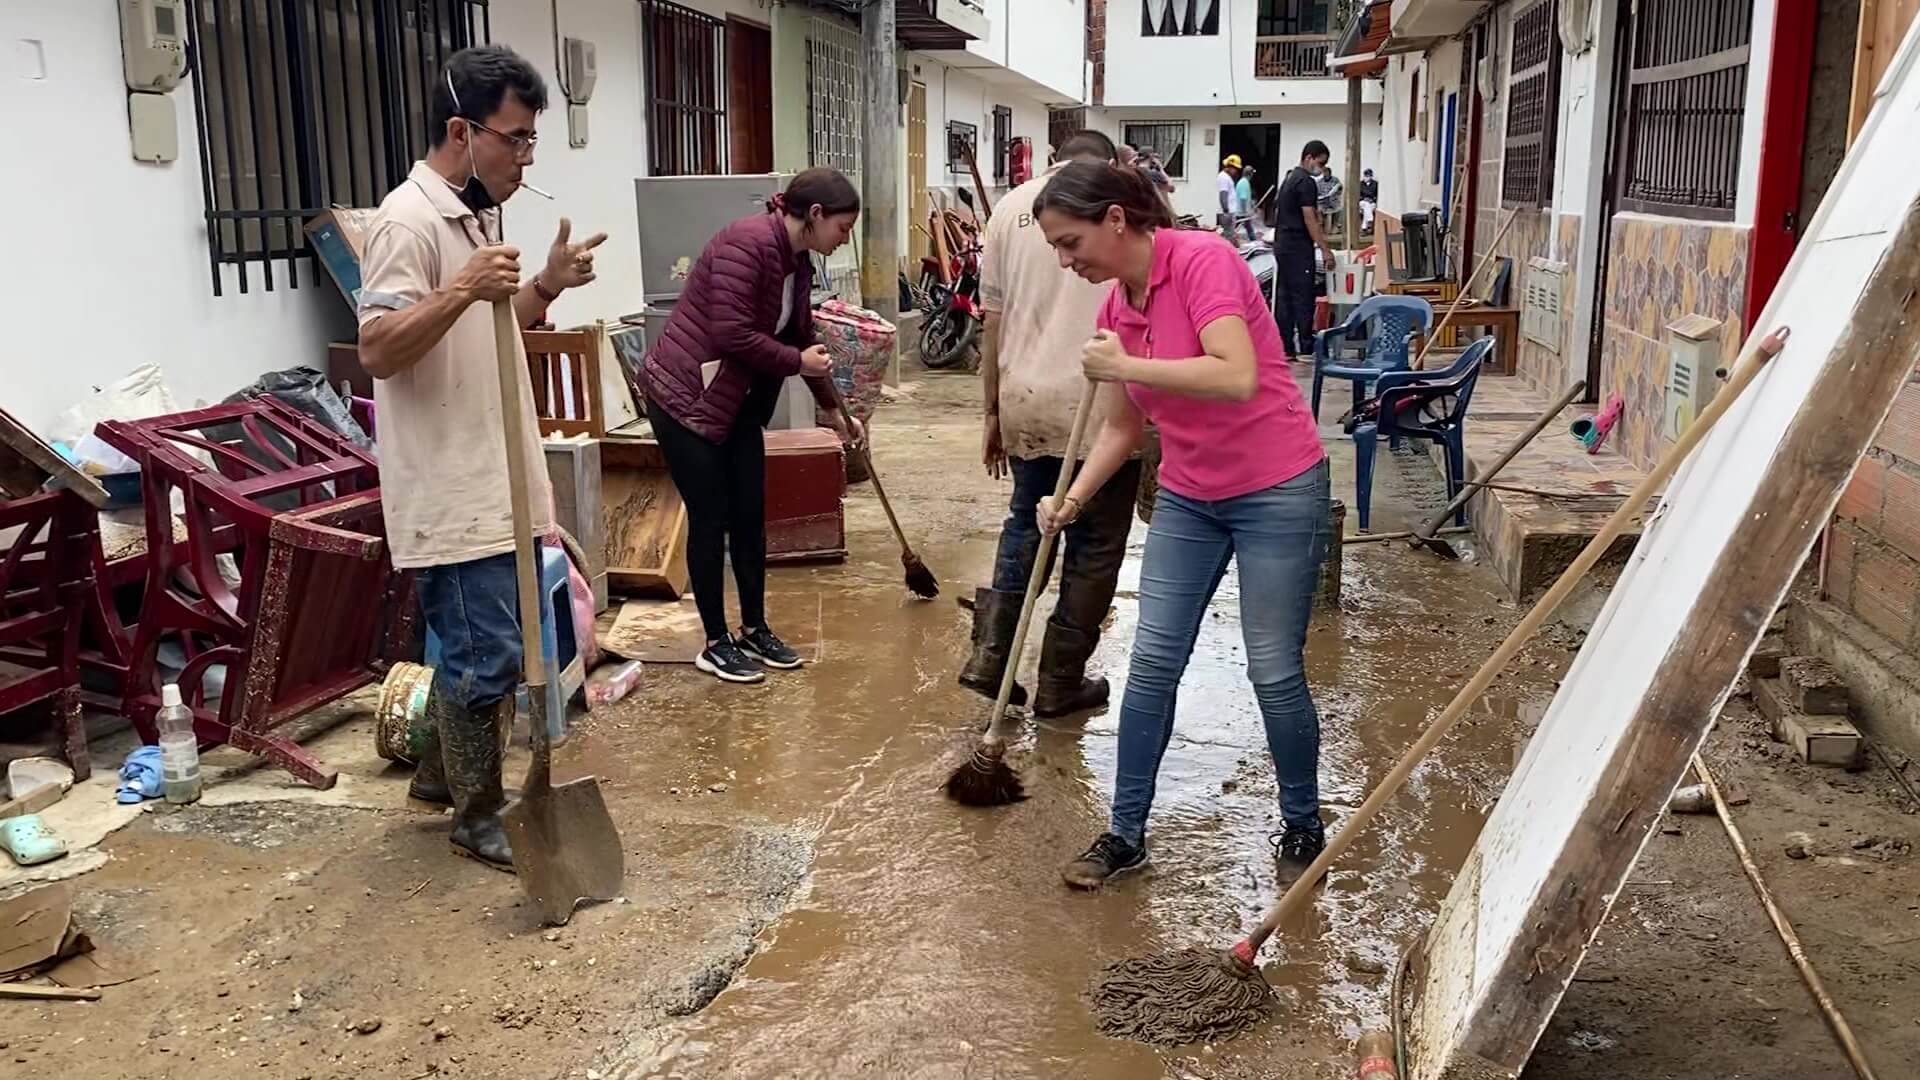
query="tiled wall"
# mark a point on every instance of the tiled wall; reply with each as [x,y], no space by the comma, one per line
[1660,269]
[1541,368]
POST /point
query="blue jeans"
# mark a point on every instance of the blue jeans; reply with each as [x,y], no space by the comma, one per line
[1096,543]
[473,608]
[1278,537]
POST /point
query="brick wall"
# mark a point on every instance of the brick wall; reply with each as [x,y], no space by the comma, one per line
[1873,555]
[1097,48]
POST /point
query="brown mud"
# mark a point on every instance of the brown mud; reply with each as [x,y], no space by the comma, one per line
[803,901]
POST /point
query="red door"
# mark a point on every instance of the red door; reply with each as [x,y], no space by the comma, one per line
[1776,224]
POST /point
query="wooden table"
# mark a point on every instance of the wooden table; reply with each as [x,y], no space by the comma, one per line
[1504,322]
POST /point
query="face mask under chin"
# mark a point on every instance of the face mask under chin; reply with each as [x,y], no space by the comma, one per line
[474,192]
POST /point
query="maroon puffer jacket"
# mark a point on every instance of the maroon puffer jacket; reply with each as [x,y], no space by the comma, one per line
[728,312]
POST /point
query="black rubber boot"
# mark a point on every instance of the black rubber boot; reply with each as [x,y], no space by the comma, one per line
[470,747]
[430,776]
[1064,686]
[994,616]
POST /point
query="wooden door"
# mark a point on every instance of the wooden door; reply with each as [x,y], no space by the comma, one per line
[750,97]
[918,243]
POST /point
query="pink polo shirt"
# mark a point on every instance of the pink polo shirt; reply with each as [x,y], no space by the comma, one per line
[1213,450]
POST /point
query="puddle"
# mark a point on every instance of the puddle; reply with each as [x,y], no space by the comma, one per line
[931,940]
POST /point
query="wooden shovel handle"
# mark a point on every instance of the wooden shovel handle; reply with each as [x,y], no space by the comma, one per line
[1300,894]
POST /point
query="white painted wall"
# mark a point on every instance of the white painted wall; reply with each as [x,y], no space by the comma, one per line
[1041,40]
[1214,70]
[1196,193]
[109,257]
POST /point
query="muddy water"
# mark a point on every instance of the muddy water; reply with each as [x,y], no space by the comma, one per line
[937,941]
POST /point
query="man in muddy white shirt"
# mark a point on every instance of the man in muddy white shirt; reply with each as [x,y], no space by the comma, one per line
[1039,318]
[433,267]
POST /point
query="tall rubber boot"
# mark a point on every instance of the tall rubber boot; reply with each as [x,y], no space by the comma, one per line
[470,748]
[430,776]
[1064,686]
[994,616]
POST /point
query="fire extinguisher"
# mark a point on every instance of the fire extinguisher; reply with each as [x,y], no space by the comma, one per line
[1020,169]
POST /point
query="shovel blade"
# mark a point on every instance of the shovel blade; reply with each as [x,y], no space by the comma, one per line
[565,848]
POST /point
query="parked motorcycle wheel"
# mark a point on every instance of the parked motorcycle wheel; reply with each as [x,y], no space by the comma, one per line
[947,338]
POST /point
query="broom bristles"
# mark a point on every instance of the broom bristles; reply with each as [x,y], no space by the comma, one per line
[985,781]
[919,579]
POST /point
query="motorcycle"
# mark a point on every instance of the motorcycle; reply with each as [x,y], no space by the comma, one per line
[950,333]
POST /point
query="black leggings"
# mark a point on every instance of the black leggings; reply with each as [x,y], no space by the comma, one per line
[725,488]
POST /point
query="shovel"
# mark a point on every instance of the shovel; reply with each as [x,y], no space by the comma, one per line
[565,848]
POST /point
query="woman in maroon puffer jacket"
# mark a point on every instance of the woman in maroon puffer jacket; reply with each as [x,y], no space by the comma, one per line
[743,324]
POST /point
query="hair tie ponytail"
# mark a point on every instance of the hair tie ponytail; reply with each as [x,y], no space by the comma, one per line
[777,203]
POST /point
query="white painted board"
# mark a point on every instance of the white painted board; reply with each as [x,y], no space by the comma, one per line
[1486,987]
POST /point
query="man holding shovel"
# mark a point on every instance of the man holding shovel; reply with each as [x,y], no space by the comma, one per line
[434,264]
[1039,316]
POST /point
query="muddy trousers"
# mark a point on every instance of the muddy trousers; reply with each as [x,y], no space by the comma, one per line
[1276,538]
[725,488]
[1095,545]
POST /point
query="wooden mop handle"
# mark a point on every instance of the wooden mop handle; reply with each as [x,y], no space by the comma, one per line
[1037,577]
[873,474]
[1467,290]
[526,567]
[1300,893]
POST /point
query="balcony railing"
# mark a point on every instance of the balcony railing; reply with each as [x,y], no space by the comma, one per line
[1292,56]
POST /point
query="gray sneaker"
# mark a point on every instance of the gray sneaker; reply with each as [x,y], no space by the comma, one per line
[1109,857]
[724,661]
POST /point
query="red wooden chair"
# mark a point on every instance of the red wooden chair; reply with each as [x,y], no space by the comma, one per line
[317,605]
[45,578]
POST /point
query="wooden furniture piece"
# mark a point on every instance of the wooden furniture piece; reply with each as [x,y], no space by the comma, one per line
[316,605]
[1504,324]
[575,471]
[45,577]
[646,521]
[564,366]
[806,495]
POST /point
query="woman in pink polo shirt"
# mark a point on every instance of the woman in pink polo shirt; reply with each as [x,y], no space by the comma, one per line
[1187,341]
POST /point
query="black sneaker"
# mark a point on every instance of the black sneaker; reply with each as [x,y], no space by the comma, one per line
[724,661]
[765,646]
[1294,850]
[1109,857]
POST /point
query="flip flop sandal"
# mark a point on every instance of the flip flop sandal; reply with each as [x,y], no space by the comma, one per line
[29,840]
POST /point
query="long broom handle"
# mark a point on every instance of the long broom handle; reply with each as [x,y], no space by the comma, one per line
[1037,577]
[1493,252]
[873,474]
[1300,893]
[1467,489]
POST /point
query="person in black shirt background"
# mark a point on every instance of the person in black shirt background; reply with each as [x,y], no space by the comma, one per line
[1297,232]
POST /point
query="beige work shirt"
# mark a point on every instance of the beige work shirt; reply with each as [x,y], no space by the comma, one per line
[441,437]
[1047,314]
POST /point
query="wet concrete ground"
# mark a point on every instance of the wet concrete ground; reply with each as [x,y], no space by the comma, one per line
[934,940]
[802,901]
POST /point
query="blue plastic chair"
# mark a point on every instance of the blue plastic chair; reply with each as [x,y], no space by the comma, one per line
[1425,405]
[1390,324]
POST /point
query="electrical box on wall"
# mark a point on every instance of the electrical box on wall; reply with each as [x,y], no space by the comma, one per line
[1693,352]
[155,133]
[1540,303]
[579,70]
[153,37]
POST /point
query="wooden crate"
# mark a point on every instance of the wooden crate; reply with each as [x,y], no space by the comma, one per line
[806,495]
[646,521]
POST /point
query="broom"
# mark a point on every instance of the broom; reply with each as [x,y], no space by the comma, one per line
[985,778]
[919,579]
[1193,994]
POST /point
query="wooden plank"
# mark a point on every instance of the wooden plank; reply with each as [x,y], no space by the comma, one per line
[27,462]
[1717,558]
[645,520]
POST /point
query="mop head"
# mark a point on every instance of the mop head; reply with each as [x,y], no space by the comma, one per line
[1178,998]
[919,578]
[985,780]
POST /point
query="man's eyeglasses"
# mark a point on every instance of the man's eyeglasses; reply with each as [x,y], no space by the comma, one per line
[523,145]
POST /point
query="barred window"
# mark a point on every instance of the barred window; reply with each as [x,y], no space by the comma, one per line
[963,140]
[1167,140]
[1686,100]
[686,90]
[1533,106]
[1179,18]
[300,105]
[836,92]
[1062,123]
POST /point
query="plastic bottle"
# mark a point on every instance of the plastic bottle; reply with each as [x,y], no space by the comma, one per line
[179,748]
[611,682]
